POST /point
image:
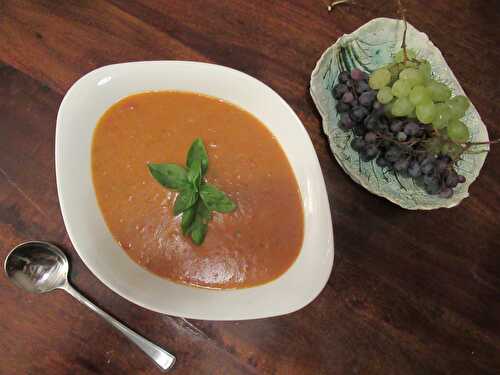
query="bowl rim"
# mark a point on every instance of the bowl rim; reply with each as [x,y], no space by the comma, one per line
[69,99]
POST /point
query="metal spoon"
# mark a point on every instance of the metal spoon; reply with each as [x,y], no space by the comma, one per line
[41,267]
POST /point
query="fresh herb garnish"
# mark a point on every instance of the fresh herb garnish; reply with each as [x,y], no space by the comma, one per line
[196,198]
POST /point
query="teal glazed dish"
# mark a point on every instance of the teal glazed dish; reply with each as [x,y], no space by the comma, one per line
[368,48]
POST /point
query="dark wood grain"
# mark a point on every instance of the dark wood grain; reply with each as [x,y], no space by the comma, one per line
[411,292]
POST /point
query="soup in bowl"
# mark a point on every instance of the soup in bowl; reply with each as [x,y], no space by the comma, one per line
[271,254]
[252,245]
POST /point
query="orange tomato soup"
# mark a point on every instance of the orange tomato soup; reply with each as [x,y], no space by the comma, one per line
[253,245]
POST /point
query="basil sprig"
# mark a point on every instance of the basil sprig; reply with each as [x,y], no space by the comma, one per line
[196,198]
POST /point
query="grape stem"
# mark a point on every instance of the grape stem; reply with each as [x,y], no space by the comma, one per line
[466,146]
[390,139]
[338,2]
[483,143]
[402,13]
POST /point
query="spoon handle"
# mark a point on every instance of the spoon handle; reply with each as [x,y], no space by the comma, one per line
[161,357]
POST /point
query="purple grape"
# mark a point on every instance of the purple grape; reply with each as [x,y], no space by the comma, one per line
[401,165]
[393,154]
[441,165]
[396,126]
[361,86]
[370,137]
[383,124]
[344,76]
[366,99]
[370,122]
[339,90]
[431,184]
[414,169]
[461,179]
[431,179]
[377,105]
[355,103]
[348,97]
[359,113]
[451,179]
[378,108]
[370,152]
[382,162]
[349,83]
[446,193]
[358,144]
[384,120]
[358,74]
[342,107]
[346,122]
[358,129]
[427,159]
[411,128]
[427,169]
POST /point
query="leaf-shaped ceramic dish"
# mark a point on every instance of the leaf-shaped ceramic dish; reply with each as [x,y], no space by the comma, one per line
[368,48]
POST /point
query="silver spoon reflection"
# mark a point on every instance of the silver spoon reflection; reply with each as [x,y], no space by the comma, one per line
[41,267]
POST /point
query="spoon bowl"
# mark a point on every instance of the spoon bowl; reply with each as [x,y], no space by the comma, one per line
[37,267]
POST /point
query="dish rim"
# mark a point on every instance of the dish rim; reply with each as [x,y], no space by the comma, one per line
[66,104]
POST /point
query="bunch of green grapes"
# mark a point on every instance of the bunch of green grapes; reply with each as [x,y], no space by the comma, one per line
[407,89]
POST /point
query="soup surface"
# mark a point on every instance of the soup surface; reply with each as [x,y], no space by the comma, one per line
[252,245]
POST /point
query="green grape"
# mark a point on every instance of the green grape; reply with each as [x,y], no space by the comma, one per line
[426,70]
[413,114]
[412,75]
[456,109]
[407,65]
[433,145]
[388,108]
[451,149]
[411,64]
[379,78]
[384,95]
[442,117]
[439,91]
[457,131]
[401,88]
[461,101]
[426,112]
[394,69]
[419,94]
[399,56]
[402,107]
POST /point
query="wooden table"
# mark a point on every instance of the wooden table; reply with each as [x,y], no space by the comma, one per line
[411,292]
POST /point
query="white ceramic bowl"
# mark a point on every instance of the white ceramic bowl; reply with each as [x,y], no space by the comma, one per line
[78,115]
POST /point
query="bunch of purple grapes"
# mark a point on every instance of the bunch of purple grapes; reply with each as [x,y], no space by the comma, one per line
[401,144]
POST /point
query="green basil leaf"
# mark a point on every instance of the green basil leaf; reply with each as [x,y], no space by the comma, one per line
[196,212]
[185,199]
[172,176]
[187,219]
[203,213]
[199,227]
[194,174]
[216,200]
[197,151]
[198,233]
